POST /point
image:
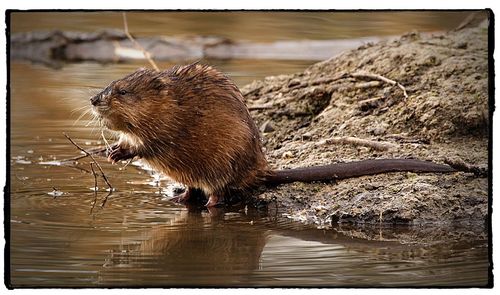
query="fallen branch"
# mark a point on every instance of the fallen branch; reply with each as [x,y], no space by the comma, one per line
[351,76]
[93,159]
[147,55]
[377,145]
[366,75]
[460,165]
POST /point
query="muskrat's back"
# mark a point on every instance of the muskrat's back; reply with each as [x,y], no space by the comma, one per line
[213,142]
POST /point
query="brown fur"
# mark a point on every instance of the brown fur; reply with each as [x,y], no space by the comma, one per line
[195,133]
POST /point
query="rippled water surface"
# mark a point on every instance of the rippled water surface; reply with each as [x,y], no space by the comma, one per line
[140,238]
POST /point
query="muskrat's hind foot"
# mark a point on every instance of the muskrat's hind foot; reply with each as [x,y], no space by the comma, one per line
[213,201]
[119,153]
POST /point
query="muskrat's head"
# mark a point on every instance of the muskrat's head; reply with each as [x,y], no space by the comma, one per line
[129,103]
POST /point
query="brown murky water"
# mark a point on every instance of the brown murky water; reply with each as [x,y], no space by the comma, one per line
[140,238]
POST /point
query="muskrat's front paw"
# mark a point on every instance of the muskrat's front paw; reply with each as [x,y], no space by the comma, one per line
[119,153]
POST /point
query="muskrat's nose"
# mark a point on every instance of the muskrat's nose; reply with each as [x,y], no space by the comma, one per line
[94,100]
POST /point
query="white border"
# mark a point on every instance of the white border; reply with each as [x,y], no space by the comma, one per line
[252,4]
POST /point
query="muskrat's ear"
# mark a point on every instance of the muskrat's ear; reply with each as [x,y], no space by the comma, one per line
[158,83]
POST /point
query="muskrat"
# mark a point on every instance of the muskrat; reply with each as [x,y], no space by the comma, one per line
[191,123]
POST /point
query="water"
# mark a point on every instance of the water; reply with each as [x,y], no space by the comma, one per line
[247,25]
[140,238]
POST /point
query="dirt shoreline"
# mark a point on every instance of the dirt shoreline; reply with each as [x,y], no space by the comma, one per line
[445,116]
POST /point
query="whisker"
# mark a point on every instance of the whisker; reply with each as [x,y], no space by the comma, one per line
[81,116]
[79,109]
[92,90]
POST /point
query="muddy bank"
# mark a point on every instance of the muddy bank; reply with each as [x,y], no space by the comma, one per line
[445,116]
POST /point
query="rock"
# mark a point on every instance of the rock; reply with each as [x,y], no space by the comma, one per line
[266,127]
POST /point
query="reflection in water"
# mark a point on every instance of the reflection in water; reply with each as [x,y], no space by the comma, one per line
[223,252]
[243,250]
[141,239]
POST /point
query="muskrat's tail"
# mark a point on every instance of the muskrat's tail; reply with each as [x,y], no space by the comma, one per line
[354,169]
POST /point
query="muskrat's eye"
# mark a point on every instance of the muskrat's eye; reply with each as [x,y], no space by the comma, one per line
[122,92]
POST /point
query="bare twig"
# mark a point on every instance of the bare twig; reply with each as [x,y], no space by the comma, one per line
[255,90]
[471,20]
[357,75]
[377,145]
[128,162]
[93,159]
[106,143]
[329,80]
[106,198]
[460,165]
[367,85]
[147,55]
[95,187]
[371,103]
[266,106]
[95,191]
[92,152]
[74,158]
[372,76]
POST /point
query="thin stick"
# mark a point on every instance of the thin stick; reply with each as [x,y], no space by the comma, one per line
[370,100]
[106,199]
[380,78]
[367,84]
[92,151]
[460,165]
[377,145]
[329,80]
[93,159]
[106,143]
[469,19]
[266,106]
[128,162]
[95,187]
[74,158]
[147,55]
